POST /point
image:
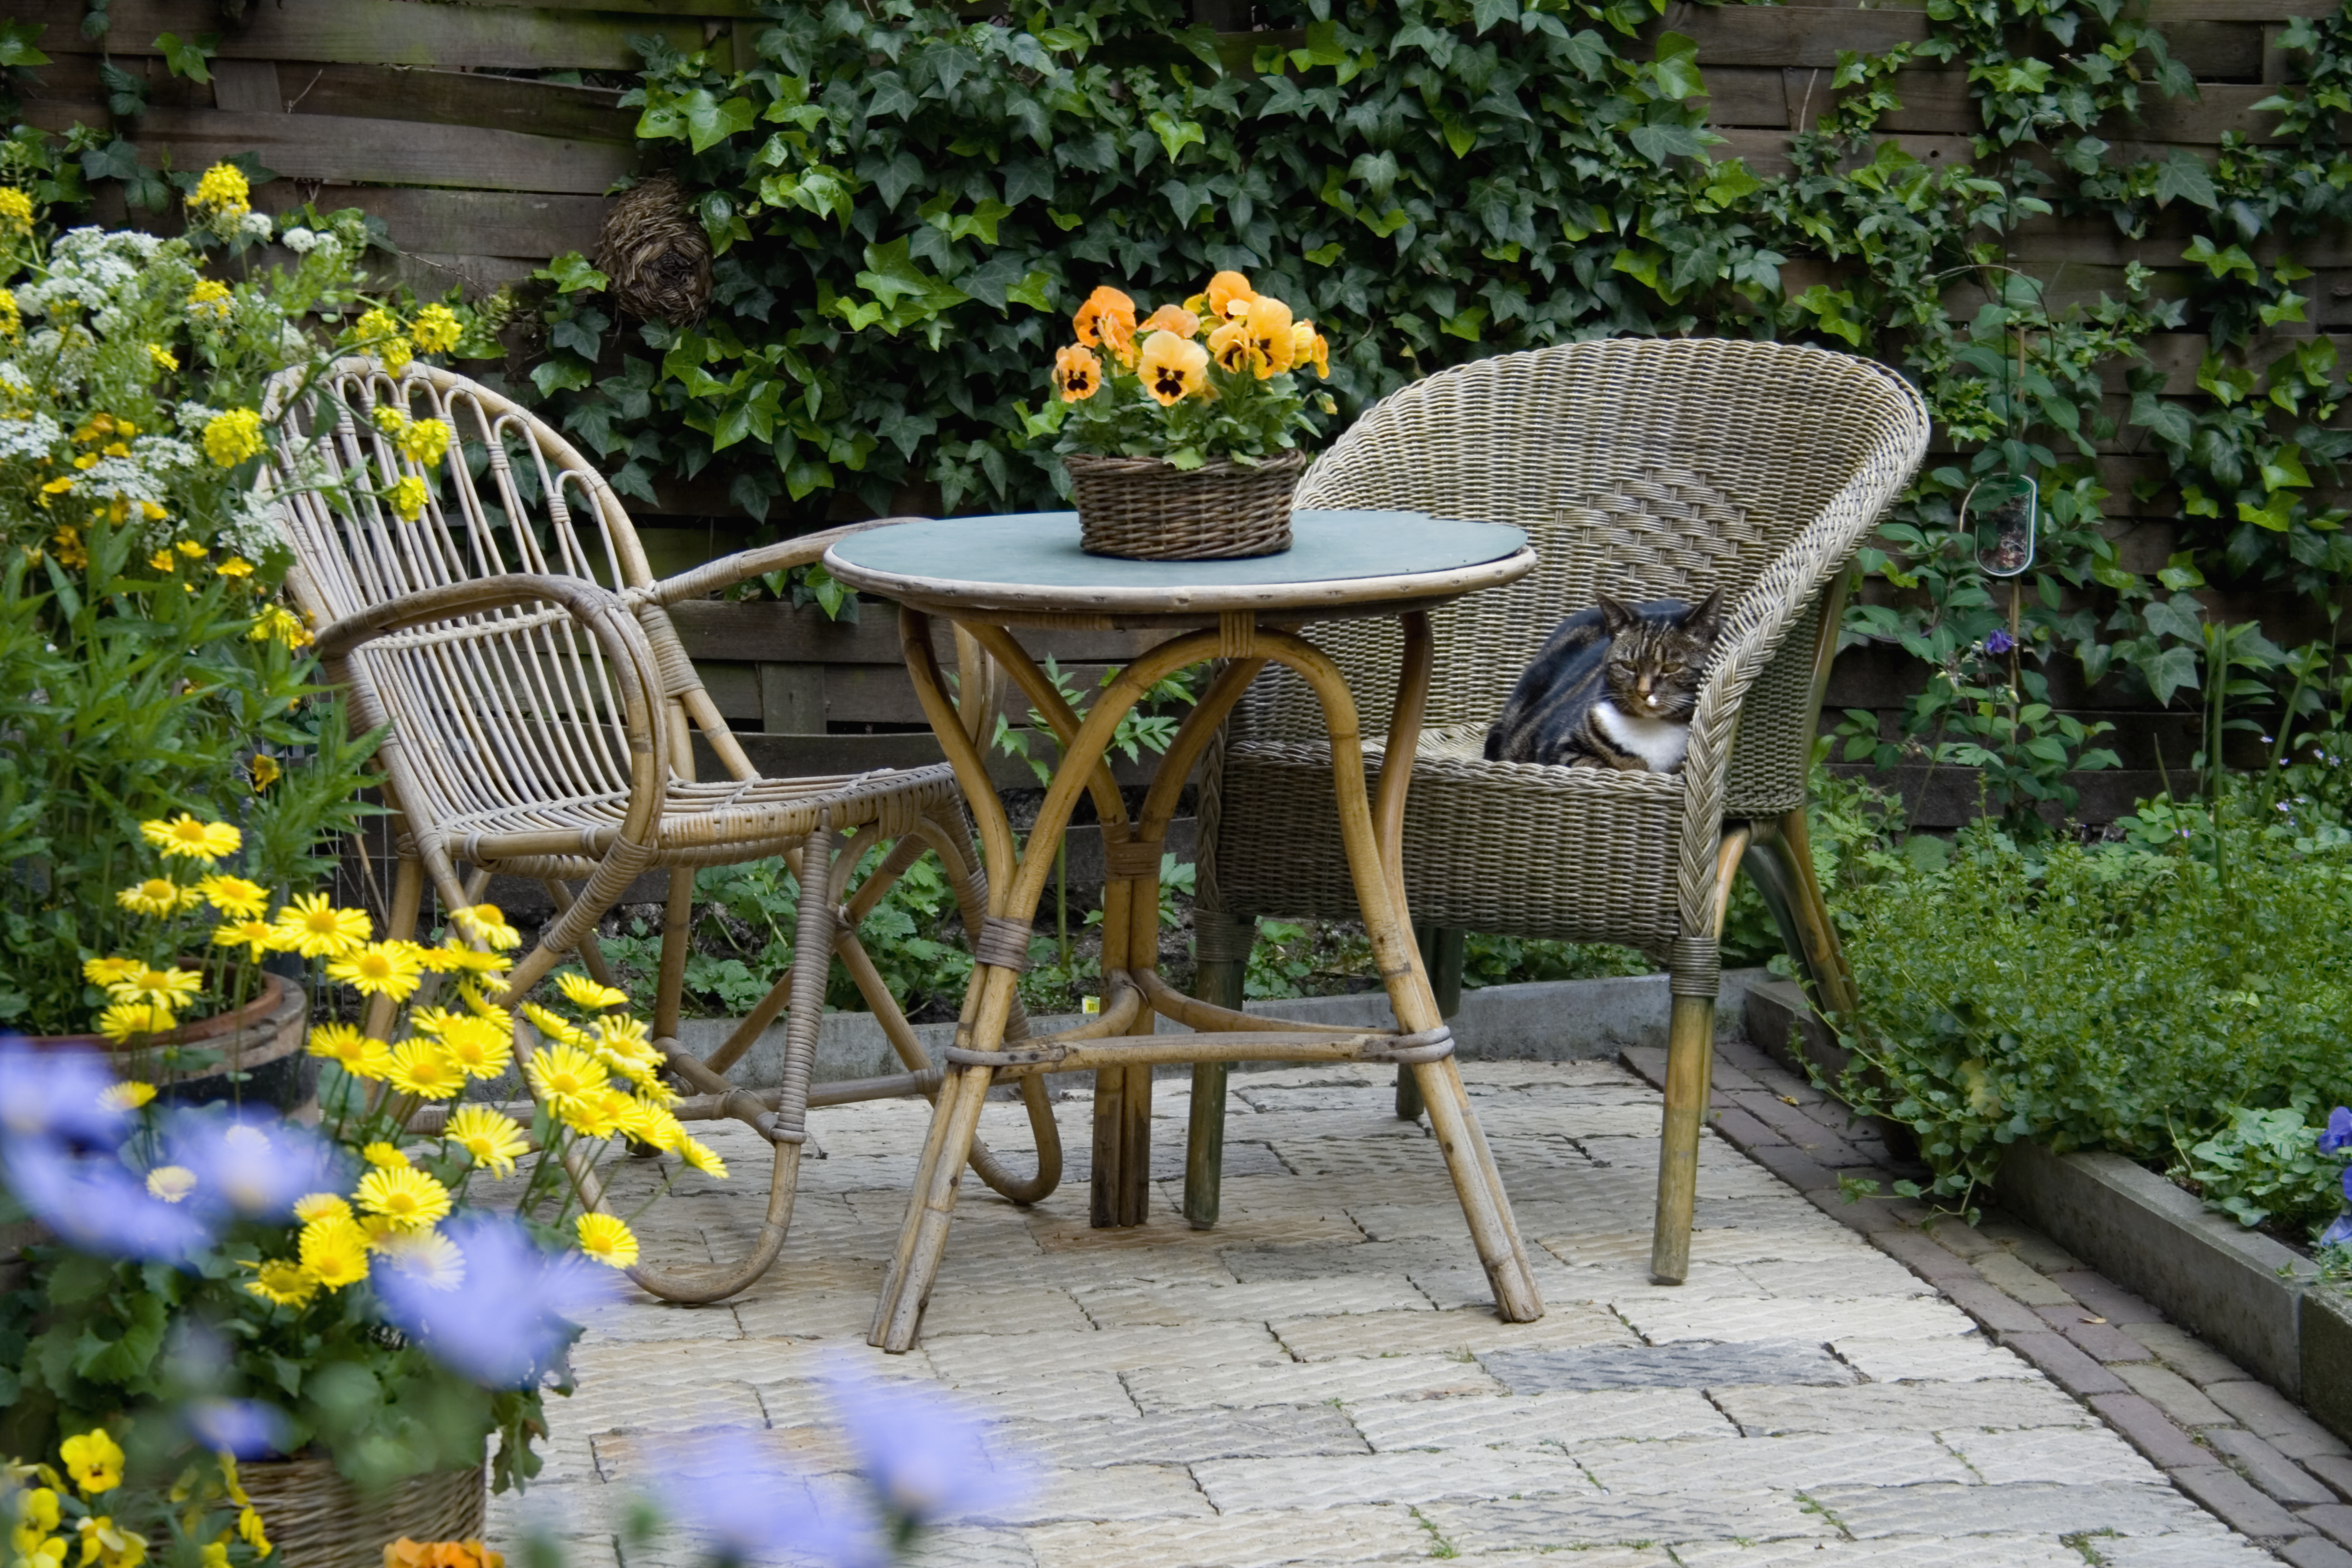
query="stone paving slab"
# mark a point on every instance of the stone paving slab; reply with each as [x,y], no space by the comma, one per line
[1320,1379]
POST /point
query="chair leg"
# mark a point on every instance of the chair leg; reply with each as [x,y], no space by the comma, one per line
[1479,1184]
[1221,949]
[408,899]
[589,953]
[678,926]
[1690,1060]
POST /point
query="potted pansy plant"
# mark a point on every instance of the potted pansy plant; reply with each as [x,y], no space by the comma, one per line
[1180,428]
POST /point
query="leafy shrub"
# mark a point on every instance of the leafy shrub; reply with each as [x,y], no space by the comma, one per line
[2102,997]
[2266,1163]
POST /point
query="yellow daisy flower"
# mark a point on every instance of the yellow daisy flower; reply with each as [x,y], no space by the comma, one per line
[109,970]
[703,1158]
[127,1096]
[235,896]
[128,1021]
[386,1156]
[320,1206]
[556,1026]
[597,1115]
[450,958]
[158,896]
[583,992]
[478,1048]
[563,1073]
[380,969]
[174,988]
[493,1139]
[359,1054]
[410,1199]
[606,1239]
[335,1249]
[319,929]
[284,1284]
[257,936]
[422,1068]
[487,924]
[264,772]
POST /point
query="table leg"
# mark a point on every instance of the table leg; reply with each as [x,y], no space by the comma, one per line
[1374,862]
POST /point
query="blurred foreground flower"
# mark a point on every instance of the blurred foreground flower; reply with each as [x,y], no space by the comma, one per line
[242,1428]
[512,1311]
[925,1456]
[57,1095]
[745,1504]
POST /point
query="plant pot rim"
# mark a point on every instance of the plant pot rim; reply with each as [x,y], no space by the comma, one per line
[237,1021]
[1223,463]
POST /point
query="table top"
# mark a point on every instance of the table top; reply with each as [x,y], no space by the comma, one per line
[1028,565]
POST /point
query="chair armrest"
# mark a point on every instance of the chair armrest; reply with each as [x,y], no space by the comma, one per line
[598,611]
[746,564]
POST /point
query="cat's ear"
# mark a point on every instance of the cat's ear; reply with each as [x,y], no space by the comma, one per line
[1615,616]
[1704,616]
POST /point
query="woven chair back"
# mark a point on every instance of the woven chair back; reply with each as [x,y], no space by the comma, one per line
[495,712]
[1640,468]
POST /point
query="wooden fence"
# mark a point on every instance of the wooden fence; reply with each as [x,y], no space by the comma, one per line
[416,114]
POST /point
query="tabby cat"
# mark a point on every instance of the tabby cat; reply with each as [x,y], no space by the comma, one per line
[1613,688]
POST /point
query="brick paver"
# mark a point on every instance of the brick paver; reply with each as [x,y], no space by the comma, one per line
[1320,1380]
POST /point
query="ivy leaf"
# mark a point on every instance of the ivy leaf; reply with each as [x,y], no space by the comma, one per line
[2170,670]
[1379,172]
[892,276]
[16,48]
[1676,67]
[1028,177]
[571,274]
[1324,255]
[188,59]
[2184,177]
[1175,134]
[888,93]
[553,376]
[708,121]
[1658,142]
[1485,13]
[2170,421]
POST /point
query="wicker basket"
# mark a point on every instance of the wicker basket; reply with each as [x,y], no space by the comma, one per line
[1142,508]
[316,1519]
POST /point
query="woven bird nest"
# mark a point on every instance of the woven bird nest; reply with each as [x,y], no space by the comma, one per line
[655,252]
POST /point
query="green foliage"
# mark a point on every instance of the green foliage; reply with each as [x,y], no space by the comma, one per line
[2106,998]
[2267,1163]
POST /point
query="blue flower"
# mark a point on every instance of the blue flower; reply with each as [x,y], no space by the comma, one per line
[57,1095]
[926,1457]
[2338,1234]
[1999,642]
[512,1313]
[95,1205]
[743,1503]
[2339,1136]
[252,1168]
[242,1428]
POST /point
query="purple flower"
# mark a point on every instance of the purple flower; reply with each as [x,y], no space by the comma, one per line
[254,1168]
[509,1315]
[743,1503]
[95,1205]
[2339,1136]
[926,1457]
[243,1428]
[57,1095]
[2338,1234]
[1999,642]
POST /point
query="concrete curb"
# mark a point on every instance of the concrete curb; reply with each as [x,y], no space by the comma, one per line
[1548,1020]
[2249,1296]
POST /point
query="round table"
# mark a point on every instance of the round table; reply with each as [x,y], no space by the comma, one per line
[988,575]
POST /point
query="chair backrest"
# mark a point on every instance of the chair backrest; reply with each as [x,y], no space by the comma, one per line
[1640,468]
[492,711]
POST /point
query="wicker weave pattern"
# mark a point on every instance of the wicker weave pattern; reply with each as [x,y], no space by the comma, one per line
[1642,468]
[1142,508]
[316,1519]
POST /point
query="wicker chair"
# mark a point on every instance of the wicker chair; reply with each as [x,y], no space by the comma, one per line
[1643,469]
[543,716]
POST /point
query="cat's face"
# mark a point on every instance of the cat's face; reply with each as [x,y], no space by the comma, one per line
[1654,670]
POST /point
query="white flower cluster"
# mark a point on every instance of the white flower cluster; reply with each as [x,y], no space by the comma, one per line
[303,241]
[88,269]
[24,440]
[143,476]
[194,417]
[251,529]
[253,225]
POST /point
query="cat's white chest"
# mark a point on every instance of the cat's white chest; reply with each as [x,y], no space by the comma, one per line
[1659,743]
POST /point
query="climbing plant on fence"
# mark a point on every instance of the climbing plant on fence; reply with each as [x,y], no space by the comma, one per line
[905,202]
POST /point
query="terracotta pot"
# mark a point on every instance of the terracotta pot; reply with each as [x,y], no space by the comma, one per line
[264,1037]
[316,1519]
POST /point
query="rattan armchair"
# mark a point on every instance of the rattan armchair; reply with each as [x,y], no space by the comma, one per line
[1642,469]
[542,714]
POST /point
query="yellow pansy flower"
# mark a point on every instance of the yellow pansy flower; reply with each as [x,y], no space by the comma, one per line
[1077,372]
[1268,324]
[1107,321]
[1174,318]
[1173,368]
[93,1460]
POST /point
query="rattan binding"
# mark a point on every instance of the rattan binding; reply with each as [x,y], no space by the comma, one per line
[316,1519]
[1142,508]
